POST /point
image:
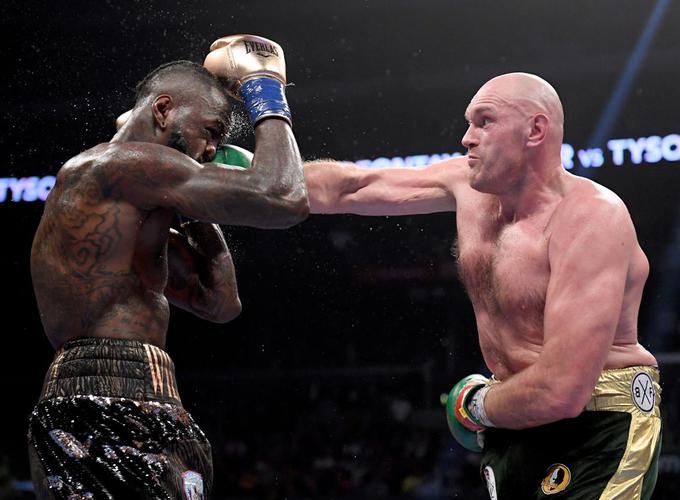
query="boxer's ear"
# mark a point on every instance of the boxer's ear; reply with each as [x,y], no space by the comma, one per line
[160,108]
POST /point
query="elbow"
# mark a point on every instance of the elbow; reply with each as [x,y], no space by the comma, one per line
[290,209]
[560,410]
[227,312]
[567,405]
[297,208]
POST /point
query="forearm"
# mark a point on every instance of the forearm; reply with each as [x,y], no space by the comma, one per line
[202,278]
[277,160]
[531,398]
[329,185]
[215,266]
[342,187]
[275,180]
[219,299]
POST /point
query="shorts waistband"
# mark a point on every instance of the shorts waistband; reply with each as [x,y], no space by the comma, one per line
[115,368]
[630,389]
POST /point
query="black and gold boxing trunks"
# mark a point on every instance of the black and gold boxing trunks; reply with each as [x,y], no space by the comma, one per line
[110,425]
[610,451]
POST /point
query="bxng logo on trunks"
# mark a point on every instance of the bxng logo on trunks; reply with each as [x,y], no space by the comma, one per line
[643,392]
[262,49]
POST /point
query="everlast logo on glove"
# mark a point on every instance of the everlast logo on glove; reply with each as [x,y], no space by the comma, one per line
[262,49]
[254,71]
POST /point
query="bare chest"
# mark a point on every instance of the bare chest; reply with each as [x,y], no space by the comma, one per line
[107,239]
[504,266]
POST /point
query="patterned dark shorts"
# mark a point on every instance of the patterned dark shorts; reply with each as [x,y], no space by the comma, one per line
[110,425]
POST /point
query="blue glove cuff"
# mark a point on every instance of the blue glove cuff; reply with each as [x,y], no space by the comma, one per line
[264,97]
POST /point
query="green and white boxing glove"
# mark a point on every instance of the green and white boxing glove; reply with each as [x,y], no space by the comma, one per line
[465,413]
[234,156]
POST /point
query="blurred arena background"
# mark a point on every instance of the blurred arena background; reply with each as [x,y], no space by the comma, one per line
[327,385]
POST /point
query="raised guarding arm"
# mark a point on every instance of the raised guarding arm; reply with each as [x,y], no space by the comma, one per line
[254,70]
[269,194]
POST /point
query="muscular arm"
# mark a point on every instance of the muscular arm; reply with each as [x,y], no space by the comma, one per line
[589,252]
[201,276]
[336,187]
[270,194]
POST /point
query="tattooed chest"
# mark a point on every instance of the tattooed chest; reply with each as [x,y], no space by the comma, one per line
[93,237]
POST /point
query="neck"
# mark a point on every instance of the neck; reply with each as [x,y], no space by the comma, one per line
[542,185]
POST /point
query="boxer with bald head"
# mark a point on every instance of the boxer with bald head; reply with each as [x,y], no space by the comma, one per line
[106,264]
[553,268]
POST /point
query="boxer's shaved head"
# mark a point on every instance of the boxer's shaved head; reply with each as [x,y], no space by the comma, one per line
[527,93]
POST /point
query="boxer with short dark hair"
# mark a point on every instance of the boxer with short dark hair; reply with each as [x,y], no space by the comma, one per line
[553,268]
[106,264]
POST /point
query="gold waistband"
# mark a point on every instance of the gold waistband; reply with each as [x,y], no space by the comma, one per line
[632,389]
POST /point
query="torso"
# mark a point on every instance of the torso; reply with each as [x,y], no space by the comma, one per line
[99,264]
[505,269]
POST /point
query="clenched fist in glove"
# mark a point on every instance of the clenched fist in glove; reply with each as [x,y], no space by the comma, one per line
[254,69]
[465,411]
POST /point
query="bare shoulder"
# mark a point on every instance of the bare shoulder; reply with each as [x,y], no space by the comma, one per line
[587,204]
[97,158]
[130,170]
[81,160]
[116,155]
[77,173]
